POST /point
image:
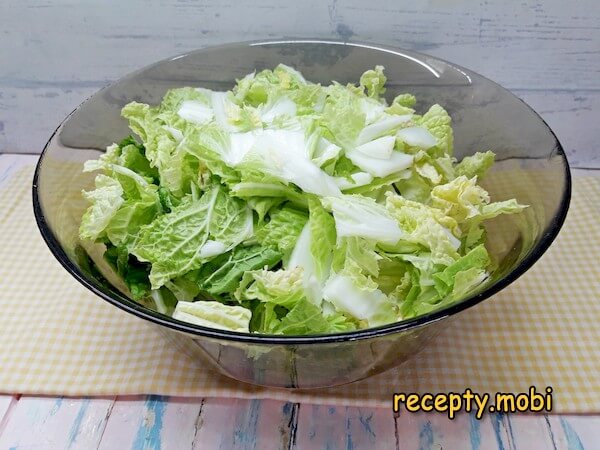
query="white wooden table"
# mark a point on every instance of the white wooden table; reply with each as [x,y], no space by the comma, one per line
[54,54]
[176,423]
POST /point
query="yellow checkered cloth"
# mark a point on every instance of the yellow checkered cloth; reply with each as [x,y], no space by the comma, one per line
[544,330]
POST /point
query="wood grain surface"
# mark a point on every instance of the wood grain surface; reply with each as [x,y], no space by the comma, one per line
[155,422]
[56,53]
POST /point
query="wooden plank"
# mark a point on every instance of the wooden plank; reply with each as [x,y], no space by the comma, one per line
[580,431]
[541,47]
[245,424]
[179,422]
[322,426]
[532,431]
[7,403]
[498,41]
[28,117]
[571,115]
[575,432]
[45,422]
[436,431]
[152,422]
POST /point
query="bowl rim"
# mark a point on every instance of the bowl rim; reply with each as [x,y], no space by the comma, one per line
[142,312]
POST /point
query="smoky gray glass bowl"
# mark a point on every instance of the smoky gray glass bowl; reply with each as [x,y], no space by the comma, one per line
[531,167]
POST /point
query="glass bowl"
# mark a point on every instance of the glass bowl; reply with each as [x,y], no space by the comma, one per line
[531,166]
